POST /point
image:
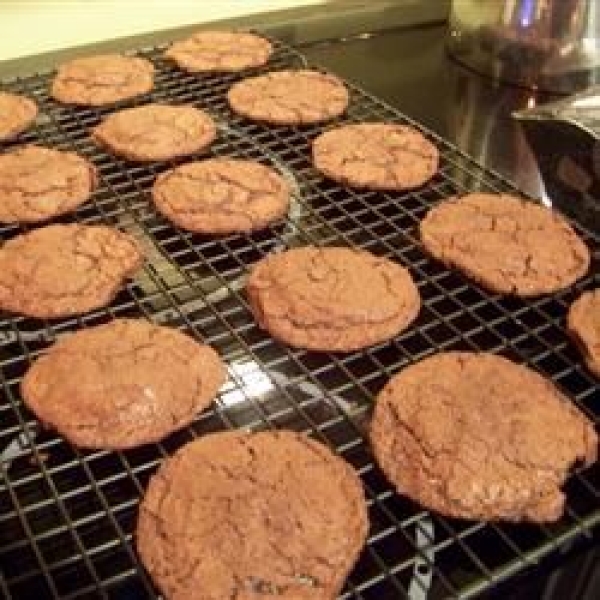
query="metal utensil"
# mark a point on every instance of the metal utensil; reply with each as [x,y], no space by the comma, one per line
[565,138]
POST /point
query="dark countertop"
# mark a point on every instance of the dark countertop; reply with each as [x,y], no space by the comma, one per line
[410,69]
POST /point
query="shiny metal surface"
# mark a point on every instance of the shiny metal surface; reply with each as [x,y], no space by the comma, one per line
[579,110]
[551,45]
[565,135]
[473,111]
[410,69]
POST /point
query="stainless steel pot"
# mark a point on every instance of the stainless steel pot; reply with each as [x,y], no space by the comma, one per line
[553,45]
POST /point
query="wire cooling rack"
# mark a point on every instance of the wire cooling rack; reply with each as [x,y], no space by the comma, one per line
[67,517]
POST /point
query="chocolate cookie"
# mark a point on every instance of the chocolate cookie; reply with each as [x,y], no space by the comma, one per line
[221,195]
[63,270]
[289,97]
[156,132]
[17,113]
[220,51]
[332,299]
[123,384]
[476,436]
[506,244]
[242,515]
[104,79]
[583,323]
[38,183]
[378,156]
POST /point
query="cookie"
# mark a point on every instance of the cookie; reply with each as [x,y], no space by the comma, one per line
[476,436]
[62,270]
[583,324]
[221,196]
[103,79]
[332,299]
[252,515]
[156,132]
[377,156]
[506,244]
[122,384]
[37,184]
[289,97]
[17,113]
[220,52]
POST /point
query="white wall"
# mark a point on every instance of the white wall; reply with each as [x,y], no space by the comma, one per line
[29,27]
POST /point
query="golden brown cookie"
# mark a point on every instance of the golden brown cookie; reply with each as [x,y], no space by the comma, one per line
[289,97]
[507,244]
[583,323]
[476,436]
[252,515]
[377,156]
[102,79]
[122,384]
[17,113]
[156,132]
[332,299]
[62,270]
[37,183]
[220,52]
[221,195]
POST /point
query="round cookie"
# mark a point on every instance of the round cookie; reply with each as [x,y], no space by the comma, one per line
[243,515]
[156,132]
[221,195]
[103,79]
[62,270]
[377,156]
[289,97]
[476,436]
[37,183]
[332,299]
[220,52]
[122,384]
[17,113]
[507,244]
[583,324]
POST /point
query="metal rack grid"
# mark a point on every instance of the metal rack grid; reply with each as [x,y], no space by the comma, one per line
[67,516]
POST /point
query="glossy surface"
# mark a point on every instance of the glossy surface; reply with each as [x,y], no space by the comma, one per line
[410,69]
[546,44]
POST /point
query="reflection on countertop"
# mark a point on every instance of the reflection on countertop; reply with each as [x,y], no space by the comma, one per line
[410,69]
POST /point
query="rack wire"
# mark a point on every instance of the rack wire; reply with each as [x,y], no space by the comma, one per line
[67,517]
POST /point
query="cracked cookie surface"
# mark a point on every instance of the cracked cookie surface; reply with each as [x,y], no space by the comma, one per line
[102,79]
[506,244]
[583,323]
[220,52]
[17,113]
[156,132]
[122,384]
[477,436]
[251,516]
[37,183]
[379,156]
[289,97]
[62,270]
[332,298]
[221,196]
